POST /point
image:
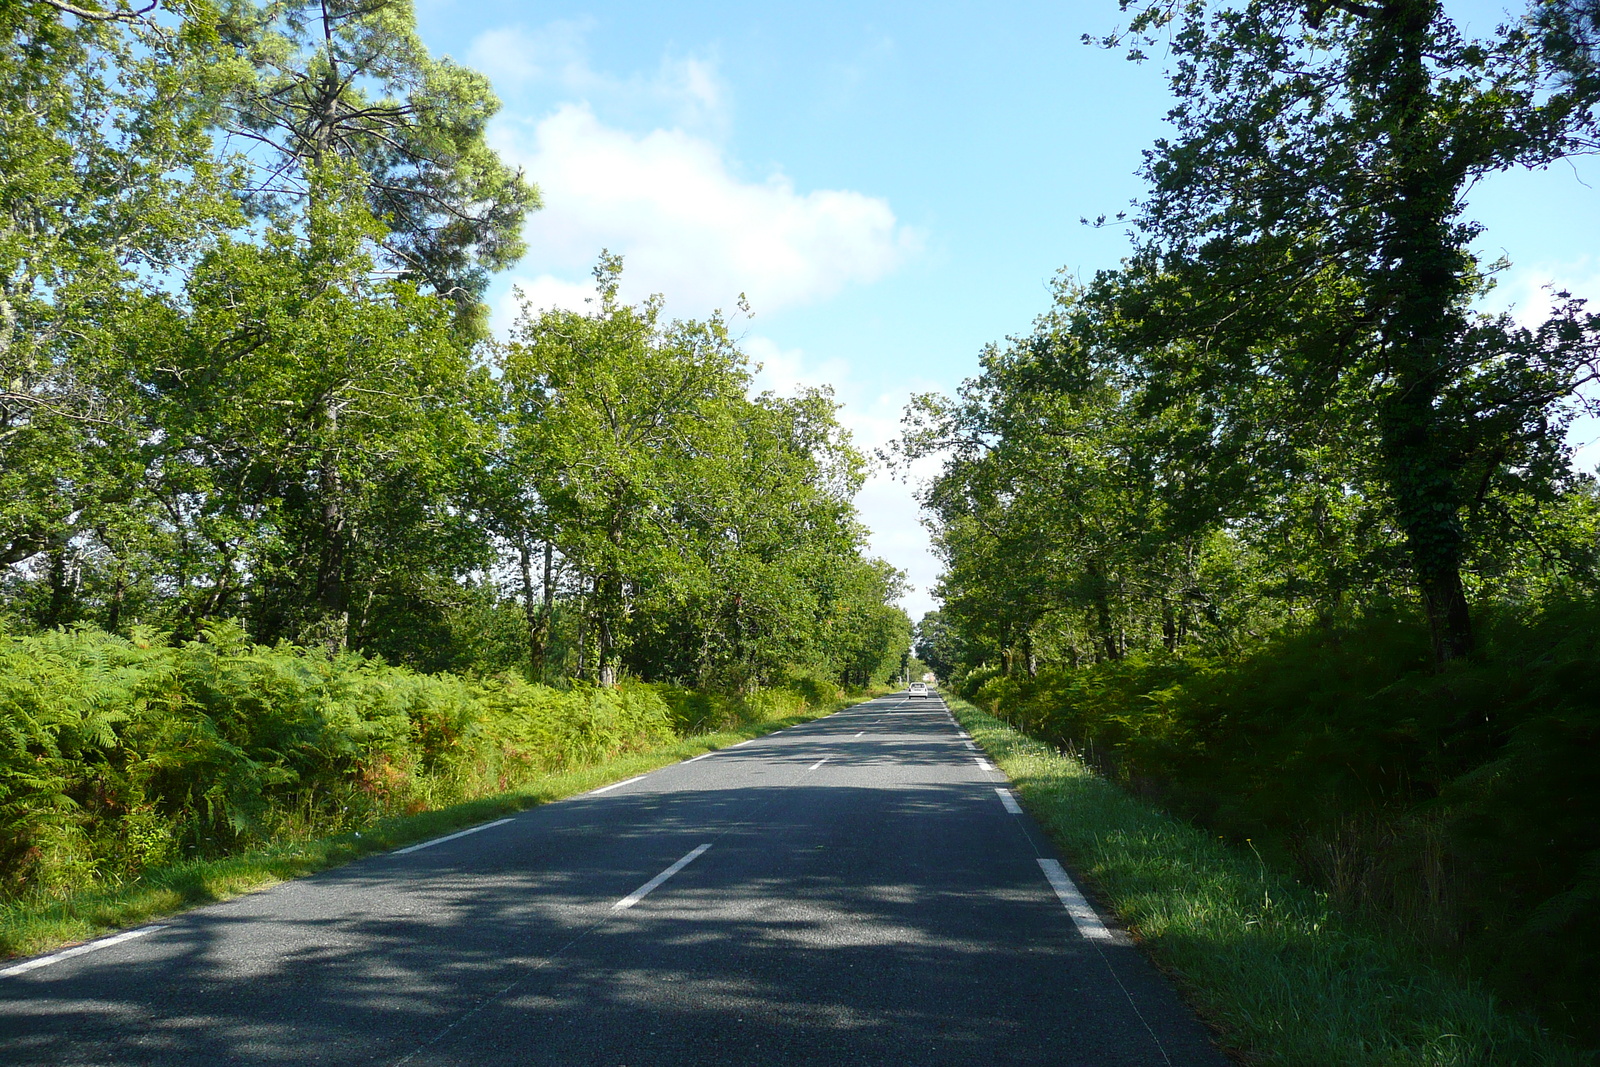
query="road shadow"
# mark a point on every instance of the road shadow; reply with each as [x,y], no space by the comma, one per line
[899,922]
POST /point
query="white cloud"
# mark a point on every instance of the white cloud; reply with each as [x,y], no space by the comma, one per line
[1528,291]
[785,371]
[542,294]
[687,226]
[554,59]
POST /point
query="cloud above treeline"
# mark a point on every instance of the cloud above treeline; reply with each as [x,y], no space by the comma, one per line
[638,165]
[686,224]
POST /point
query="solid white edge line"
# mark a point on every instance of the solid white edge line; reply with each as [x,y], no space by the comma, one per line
[1009,801]
[1083,916]
[817,764]
[700,757]
[613,785]
[79,950]
[643,891]
[450,837]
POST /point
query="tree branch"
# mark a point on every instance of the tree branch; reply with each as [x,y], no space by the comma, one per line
[90,15]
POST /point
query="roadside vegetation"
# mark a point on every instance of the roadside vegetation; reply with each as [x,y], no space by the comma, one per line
[1282,974]
[1274,527]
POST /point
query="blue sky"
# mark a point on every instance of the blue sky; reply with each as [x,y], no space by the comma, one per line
[893,185]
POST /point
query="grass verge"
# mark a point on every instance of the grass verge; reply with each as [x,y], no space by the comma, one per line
[34,925]
[1280,976]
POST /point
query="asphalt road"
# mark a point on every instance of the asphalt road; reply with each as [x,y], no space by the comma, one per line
[855,890]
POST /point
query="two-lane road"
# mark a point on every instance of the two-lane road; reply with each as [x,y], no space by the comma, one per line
[860,889]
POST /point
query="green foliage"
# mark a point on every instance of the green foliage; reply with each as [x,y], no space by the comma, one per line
[1303,238]
[341,82]
[315,433]
[709,534]
[107,180]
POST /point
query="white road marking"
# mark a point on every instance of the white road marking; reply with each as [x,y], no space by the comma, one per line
[819,763]
[643,891]
[983,763]
[1083,916]
[613,785]
[858,735]
[463,833]
[80,950]
[1009,801]
[970,745]
[700,757]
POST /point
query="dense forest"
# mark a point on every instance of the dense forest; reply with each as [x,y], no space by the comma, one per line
[1275,523]
[283,525]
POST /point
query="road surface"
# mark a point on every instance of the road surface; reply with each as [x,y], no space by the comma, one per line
[860,889]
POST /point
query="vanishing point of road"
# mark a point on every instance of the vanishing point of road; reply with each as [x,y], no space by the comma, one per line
[859,889]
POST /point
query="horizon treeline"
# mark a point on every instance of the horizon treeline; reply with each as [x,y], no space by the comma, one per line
[1274,523]
[245,372]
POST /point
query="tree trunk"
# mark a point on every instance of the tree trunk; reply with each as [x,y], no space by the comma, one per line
[608,617]
[547,607]
[585,619]
[529,614]
[63,587]
[330,599]
[1102,615]
[610,602]
[538,618]
[1419,287]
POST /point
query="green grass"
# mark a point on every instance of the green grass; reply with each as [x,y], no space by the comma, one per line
[38,924]
[1279,975]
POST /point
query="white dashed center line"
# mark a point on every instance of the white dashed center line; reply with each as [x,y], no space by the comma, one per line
[858,735]
[643,891]
[819,763]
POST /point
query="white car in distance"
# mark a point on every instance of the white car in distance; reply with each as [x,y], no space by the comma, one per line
[917,689]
